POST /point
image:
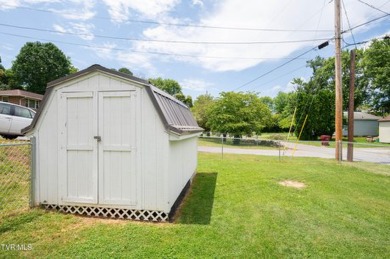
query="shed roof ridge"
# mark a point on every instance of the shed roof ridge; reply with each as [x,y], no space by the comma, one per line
[93,68]
[174,114]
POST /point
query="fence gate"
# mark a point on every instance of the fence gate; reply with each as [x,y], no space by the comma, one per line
[15,175]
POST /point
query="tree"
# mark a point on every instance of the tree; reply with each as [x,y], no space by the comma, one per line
[173,88]
[37,64]
[187,100]
[280,102]
[168,85]
[284,105]
[6,77]
[268,101]
[324,78]
[315,110]
[3,85]
[376,63]
[315,98]
[238,114]
[200,109]
[125,71]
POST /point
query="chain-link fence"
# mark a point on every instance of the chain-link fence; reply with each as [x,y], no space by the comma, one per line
[15,164]
[366,152]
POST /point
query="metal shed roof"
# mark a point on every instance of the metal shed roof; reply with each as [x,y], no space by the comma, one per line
[175,115]
[363,116]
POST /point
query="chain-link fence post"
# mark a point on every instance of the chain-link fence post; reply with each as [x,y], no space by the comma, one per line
[32,170]
[222,145]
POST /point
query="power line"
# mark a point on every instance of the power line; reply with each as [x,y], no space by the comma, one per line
[160,41]
[178,24]
[363,42]
[142,52]
[365,23]
[373,7]
[349,24]
[276,68]
[285,63]
[285,74]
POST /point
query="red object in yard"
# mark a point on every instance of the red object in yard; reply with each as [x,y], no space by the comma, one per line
[325,140]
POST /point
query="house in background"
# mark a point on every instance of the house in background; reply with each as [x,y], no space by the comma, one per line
[21,97]
[364,124]
[384,130]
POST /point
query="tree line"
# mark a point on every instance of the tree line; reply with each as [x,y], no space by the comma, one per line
[308,109]
[39,63]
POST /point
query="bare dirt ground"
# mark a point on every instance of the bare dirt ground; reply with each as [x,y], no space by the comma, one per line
[294,184]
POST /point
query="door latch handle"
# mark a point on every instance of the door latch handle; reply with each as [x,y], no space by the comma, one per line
[98,138]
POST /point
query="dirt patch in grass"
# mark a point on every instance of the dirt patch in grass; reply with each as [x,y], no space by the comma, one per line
[294,184]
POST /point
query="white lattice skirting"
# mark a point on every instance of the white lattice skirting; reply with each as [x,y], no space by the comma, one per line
[143,215]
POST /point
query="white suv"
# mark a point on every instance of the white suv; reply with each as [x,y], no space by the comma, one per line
[13,118]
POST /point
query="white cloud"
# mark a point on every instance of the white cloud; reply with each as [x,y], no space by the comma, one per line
[197,2]
[12,4]
[81,10]
[135,61]
[105,51]
[315,23]
[119,10]
[195,84]
[59,28]
[132,60]
[83,30]
[9,4]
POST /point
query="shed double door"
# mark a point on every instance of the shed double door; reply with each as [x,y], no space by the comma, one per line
[99,135]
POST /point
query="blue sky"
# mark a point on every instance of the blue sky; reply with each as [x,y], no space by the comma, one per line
[206,45]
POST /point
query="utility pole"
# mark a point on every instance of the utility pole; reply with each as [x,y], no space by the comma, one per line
[351,107]
[338,82]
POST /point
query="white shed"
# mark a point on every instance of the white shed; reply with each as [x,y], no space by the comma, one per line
[384,130]
[109,144]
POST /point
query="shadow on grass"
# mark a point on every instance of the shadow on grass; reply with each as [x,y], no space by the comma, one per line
[198,205]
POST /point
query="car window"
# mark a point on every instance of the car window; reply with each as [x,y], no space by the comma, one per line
[5,109]
[22,112]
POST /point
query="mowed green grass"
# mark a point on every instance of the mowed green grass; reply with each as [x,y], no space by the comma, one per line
[235,209]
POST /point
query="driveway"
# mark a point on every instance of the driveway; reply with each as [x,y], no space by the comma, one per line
[375,155]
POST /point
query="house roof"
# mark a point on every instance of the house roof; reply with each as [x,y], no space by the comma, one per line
[385,119]
[175,115]
[21,93]
[363,116]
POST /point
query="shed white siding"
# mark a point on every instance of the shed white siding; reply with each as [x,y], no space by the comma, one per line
[101,142]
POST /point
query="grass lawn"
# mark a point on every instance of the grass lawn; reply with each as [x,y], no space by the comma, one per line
[236,209]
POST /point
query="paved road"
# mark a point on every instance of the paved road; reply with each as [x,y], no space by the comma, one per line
[376,155]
